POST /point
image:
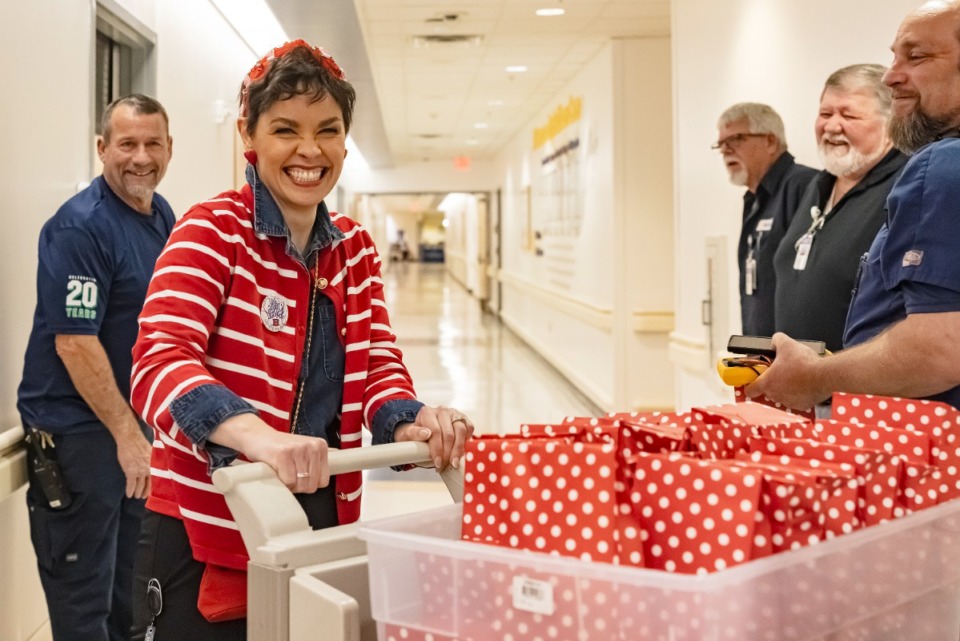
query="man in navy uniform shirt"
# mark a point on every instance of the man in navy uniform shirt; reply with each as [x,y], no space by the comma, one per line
[96,257]
[902,335]
[752,141]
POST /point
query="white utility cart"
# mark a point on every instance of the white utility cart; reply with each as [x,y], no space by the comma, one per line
[307,585]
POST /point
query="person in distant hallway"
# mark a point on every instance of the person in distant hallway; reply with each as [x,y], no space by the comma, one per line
[265,335]
[96,257]
[403,245]
[842,209]
[752,141]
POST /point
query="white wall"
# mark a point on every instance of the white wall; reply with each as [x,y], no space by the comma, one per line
[47,132]
[618,271]
[779,53]
[200,61]
[40,168]
[462,242]
[643,311]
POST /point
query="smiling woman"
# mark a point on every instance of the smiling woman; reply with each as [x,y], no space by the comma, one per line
[265,336]
[300,145]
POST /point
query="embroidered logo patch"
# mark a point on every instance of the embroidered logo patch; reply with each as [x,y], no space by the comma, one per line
[912,258]
[274,313]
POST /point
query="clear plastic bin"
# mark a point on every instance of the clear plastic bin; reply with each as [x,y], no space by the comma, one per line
[897,581]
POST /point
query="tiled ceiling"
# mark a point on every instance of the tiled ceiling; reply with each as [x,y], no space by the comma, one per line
[439,67]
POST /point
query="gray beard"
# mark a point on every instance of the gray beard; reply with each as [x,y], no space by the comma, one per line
[850,163]
[739,177]
[918,129]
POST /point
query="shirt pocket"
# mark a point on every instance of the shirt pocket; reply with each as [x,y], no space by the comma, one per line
[858,276]
[334,354]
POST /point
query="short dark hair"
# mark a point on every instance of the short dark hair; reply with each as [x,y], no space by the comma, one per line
[140,103]
[297,73]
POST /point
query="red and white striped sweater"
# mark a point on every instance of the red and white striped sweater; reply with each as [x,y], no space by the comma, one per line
[201,325]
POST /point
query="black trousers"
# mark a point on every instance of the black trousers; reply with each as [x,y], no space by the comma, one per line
[164,554]
[85,551]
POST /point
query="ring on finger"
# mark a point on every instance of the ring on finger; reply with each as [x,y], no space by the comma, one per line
[459,419]
[303,475]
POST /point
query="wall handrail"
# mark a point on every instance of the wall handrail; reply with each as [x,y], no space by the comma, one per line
[11,439]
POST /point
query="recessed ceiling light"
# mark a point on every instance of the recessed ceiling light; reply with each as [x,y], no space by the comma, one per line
[553,11]
[480,125]
[516,69]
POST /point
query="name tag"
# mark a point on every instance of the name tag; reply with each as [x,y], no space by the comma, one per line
[803,252]
[766,224]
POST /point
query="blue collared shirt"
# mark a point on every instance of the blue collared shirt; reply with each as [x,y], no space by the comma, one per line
[202,409]
[912,266]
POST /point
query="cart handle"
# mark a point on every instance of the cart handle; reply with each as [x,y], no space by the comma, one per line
[264,508]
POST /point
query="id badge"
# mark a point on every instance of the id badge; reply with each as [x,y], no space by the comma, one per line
[750,276]
[803,252]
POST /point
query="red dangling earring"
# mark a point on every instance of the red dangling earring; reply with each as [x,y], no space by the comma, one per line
[251,156]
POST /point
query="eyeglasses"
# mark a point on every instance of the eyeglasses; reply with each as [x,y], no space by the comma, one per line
[734,141]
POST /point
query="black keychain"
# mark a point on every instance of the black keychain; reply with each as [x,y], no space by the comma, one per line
[155,604]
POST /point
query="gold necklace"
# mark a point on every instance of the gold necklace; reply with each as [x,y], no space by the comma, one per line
[313,307]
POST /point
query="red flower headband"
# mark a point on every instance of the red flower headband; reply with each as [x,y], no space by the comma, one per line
[260,69]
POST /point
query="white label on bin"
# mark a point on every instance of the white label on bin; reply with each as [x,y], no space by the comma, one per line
[532,595]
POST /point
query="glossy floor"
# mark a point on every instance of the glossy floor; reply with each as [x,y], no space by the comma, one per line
[464,358]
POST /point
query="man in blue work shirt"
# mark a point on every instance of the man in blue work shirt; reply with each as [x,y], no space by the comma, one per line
[96,257]
[751,138]
[902,335]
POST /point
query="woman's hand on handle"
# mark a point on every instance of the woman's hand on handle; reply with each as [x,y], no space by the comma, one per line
[445,429]
[299,461]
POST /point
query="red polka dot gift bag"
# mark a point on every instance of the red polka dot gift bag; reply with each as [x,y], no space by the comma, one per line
[806,500]
[922,486]
[720,431]
[654,432]
[741,397]
[554,495]
[695,516]
[877,472]
[918,477]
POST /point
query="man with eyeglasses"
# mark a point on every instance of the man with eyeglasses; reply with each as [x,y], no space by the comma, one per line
[902,335]
[754,148]
[842,209]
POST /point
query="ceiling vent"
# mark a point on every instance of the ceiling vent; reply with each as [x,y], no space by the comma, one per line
[441,18]
[447,40]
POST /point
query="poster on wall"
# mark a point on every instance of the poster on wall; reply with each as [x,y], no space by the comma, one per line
[556,207]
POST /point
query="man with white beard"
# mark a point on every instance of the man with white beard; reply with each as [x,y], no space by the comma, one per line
[903,331]
[751,138]
[842,209]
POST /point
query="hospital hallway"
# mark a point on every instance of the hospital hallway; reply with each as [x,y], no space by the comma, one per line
[461,357]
